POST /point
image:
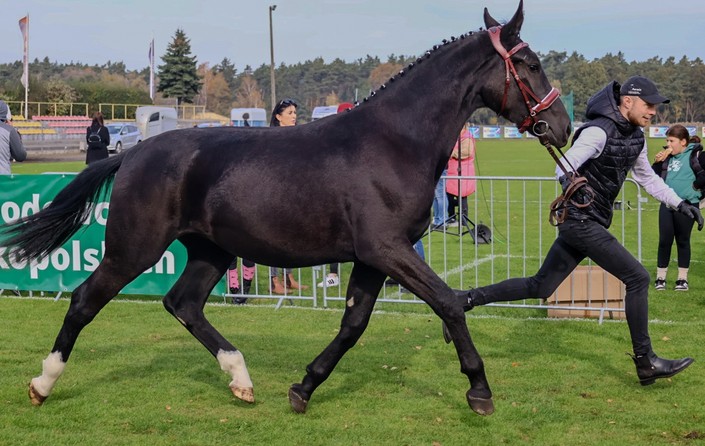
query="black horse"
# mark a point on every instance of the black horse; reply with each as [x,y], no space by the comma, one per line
[356,187]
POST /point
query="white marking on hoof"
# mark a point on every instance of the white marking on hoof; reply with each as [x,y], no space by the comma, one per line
[52,368]
[233,362]
[34,397]
[244,394]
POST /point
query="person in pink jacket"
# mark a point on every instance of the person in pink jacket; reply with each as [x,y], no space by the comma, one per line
[461,163]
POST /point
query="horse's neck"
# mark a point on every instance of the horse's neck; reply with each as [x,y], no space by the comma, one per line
[434,98]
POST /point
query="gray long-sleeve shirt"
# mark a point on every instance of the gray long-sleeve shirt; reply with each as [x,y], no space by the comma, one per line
[11,147]
[590,144]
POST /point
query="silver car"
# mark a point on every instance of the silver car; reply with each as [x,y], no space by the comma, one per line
[123,136]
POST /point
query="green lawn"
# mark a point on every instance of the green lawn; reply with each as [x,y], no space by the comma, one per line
[137,377]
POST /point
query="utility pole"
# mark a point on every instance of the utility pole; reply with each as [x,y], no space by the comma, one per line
[271,53]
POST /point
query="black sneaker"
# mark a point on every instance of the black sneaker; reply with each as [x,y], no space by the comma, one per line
[681,285]
[660,284]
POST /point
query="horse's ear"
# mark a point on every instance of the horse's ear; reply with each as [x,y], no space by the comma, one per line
[489,20]
[514,25]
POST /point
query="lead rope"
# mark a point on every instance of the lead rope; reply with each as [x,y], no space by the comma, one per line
[558,208]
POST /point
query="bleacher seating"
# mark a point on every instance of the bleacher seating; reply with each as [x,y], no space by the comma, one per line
[72,126]
[36,131]
[28,127]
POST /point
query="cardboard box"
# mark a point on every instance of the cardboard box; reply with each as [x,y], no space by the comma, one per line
[588,287]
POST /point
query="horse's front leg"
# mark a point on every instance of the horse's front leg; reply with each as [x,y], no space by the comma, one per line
[363,288]
[416,276]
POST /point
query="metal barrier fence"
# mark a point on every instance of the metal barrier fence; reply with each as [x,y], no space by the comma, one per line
[515,210]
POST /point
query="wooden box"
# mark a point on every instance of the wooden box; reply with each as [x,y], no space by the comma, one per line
[588,287]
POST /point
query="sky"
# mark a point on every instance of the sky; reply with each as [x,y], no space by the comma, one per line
[94,32]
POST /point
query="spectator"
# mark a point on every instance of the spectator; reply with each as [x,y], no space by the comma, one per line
[332,278]
[284,115]
[248,273]
[461,163]
[11,147]
[97,138]
[440,204]
[674,165]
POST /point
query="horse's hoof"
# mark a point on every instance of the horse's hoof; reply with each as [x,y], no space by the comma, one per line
[35,397]
[296,400]
[481,406]
[246,394]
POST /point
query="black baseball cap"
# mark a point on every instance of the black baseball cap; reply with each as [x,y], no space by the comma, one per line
[644,88]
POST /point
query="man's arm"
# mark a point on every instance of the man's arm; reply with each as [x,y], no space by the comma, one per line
[589,145]
[652,183]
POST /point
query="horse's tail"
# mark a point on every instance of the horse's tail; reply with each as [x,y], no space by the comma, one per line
[39,234]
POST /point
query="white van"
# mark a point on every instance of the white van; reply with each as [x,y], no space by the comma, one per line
[153,120]
[256,117]
[326,110]
[322,111]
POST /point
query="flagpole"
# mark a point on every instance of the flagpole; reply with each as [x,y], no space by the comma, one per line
[24,28]
[26,67]
[151,70]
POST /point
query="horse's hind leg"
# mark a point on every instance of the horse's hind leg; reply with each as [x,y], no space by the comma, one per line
[86,301]
[185,301]
[364,286]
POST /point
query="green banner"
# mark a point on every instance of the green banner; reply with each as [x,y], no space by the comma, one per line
[67,267]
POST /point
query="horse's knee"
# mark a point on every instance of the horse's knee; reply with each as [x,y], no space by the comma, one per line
[79,315]
[168,306]
[185,315]
[350,334]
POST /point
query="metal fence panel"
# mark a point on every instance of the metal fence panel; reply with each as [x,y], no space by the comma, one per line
[515,209]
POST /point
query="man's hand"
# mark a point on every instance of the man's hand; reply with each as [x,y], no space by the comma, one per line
[691,211]
[565,180]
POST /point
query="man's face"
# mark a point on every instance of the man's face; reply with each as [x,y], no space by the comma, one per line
[638,111]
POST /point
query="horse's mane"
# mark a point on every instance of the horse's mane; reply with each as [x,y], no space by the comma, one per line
[426,55]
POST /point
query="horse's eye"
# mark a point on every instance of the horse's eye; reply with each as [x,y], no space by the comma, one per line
[534,67]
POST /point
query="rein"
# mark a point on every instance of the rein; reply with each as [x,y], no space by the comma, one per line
[558,209]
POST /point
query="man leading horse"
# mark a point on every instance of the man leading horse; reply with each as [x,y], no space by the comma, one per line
[604,150]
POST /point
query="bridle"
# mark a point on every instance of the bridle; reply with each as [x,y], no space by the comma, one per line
[540,127]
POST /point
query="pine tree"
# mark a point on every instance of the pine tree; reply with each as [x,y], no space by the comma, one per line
[178,77]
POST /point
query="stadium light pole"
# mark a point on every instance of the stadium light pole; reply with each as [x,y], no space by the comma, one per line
[271,53]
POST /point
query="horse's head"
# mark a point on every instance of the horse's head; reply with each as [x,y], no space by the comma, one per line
[523,94]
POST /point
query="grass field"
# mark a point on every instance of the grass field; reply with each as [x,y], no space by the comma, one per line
[137,377]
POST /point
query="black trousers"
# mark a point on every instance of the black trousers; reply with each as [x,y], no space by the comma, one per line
[576,241]
[673,225]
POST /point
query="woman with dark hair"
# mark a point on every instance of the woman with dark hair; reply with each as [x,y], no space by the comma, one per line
[284,115]
[673,164]
[97,139]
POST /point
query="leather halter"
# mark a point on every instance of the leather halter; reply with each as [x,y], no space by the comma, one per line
[558,209]
[526,92]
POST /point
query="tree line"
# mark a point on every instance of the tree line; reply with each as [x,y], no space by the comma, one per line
[221,86]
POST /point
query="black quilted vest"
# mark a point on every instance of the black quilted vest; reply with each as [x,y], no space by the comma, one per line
[607,172]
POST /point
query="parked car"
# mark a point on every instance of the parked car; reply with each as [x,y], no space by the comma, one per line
[123,136]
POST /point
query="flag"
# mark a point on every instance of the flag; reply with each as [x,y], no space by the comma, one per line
[151,70]
[24,28]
